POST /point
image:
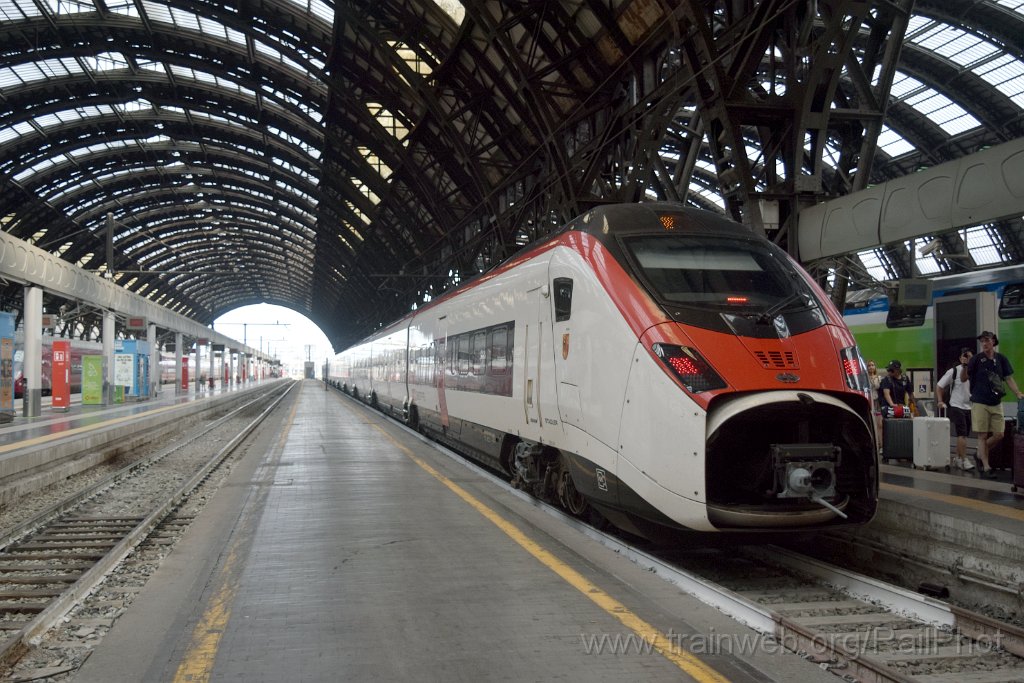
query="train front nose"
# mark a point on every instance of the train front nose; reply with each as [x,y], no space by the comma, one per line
[789,458]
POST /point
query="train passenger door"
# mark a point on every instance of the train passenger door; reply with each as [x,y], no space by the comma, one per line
[567,352]
[442,364]
[536,339]
[958,320]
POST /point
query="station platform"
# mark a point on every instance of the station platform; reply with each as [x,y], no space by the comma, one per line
[952,529]
[36,451]
[357,550]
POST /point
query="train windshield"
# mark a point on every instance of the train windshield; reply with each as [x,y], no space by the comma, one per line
[720,272]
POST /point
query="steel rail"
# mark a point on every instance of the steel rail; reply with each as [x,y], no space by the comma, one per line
[36,628]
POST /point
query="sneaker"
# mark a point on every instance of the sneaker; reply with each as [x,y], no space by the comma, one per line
[966,464]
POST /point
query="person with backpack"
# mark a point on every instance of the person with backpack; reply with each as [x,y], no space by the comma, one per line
[959,408]
[989,373]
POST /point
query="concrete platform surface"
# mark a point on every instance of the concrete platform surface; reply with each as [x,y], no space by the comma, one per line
[353,550]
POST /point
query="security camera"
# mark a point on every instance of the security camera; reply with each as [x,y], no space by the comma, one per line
[930,248]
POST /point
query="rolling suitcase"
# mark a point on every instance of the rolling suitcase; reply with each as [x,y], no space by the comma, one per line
[1001,457]
[898,442]
[931,443]
[1018,462]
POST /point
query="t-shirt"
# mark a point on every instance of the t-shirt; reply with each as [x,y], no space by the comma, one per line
[960,396]
[898,389]
[977,371]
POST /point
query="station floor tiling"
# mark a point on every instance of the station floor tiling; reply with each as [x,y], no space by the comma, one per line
[357,551]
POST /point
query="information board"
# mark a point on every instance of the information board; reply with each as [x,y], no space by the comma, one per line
[92,380]
[60,377]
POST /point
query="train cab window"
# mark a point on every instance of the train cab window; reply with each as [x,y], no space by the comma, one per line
[563,298]
[705,277]
[478,352]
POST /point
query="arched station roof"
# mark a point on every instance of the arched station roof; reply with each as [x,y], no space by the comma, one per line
[352,159]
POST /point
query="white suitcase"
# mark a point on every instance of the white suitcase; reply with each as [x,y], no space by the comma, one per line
[931,443]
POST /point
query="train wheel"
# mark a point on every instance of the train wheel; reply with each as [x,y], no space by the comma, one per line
[571,499]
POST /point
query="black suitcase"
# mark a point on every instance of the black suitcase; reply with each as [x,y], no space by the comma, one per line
[898,442]
[1001,457]
[1018,462]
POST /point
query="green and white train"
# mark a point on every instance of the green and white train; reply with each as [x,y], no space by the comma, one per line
[927,338]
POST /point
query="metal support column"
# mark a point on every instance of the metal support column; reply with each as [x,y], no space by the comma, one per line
[154,360]
[179,387]
[109,323]
[33,358]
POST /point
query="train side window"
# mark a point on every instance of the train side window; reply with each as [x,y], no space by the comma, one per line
[905,316]
[453,348]
[499,350]
[1011,304]
[479,353]
[563,298]
[464,357]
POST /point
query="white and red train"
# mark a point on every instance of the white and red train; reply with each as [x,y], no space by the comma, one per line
[657,362]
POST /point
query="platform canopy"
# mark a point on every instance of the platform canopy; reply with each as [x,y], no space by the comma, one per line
[351,160]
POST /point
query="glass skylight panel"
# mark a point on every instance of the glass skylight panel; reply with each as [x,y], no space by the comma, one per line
[892,143]
[389,121]
[955,44]
[1006,74]
[981,246]
[453,9]
[38,71]
[873,264]
[708,196]
[938,107]
[903,85]
[62,7]
[16,131]
[125,8]
[183,19]
[11,10]
[105,61]
[1015,5]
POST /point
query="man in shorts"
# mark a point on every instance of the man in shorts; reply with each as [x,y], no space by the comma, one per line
[988,371]
[959,409]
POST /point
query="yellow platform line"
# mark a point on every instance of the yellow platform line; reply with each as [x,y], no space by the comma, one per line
[661,643]
[979,505]
[198,660]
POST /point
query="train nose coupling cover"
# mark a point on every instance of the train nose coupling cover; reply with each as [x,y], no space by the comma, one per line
[806,471]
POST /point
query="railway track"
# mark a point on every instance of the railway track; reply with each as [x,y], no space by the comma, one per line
[50,562]
[860,628]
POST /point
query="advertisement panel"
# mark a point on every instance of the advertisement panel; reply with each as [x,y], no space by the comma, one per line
[124,370]
[7,373]
[60,378]
[92,380]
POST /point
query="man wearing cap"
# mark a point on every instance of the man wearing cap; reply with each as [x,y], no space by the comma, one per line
[958,390]
[894,390]
[987,371]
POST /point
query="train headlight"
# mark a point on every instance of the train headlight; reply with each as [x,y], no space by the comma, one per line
[855,370]
[695,373]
